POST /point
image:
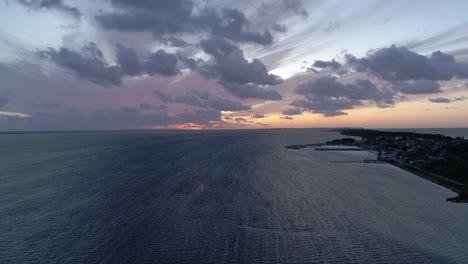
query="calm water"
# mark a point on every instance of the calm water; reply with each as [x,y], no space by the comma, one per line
[215,196]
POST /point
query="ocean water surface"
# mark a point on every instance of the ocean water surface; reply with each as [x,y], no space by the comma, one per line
[216,197]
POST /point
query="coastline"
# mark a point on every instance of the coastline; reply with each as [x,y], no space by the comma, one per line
[348,144]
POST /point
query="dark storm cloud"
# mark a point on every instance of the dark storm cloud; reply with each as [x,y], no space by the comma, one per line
[89,64]
[292,111]
[157,17]
[328,97]
[231,66]
[232,24]
[258,116]
[180,16]
[218,47]
[162,63]
[58,5]
[327,64]
[440,100]
[401,64]
[417,87]
[128,60]
[237,75]
[202,100]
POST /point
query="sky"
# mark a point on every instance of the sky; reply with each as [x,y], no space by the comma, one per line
[221,64]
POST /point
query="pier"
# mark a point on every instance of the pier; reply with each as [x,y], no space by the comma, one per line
[374,161]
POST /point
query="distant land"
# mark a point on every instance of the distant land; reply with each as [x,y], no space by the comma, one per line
[435,157]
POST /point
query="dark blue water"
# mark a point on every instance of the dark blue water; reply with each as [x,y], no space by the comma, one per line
[214,197]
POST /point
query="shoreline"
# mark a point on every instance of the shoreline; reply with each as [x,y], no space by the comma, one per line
[344,145]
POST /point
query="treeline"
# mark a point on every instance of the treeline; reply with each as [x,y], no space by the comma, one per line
[454,165]
[370,133]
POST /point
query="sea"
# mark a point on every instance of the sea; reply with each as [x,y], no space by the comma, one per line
[233,196]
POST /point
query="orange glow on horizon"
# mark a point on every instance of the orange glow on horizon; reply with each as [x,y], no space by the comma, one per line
[184,126]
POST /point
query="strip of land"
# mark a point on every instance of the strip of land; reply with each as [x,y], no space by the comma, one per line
[438,158]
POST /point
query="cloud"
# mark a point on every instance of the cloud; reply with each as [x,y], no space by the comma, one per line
[400,64]
[292,111]
[398,70]
[279,28]
[440,100]
[262,124]
[287,117]
[58,5]
[250,91]
[232,24]
[327,64]
[328,86]
[446,100]
[258,116]
[296,6]
[200,117]
[328,97]
[222,104]
[202,100]
[231,66]
[157,17]
[332,26]
[162,62]
[89,64]
[6,115]
[188,99]
[240,119]
[181,16]
[417,87]
[238,76]
[190,63]
[132,116]
[146,106]
[173,42]
[327,106]
[128,60]
[124,117]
